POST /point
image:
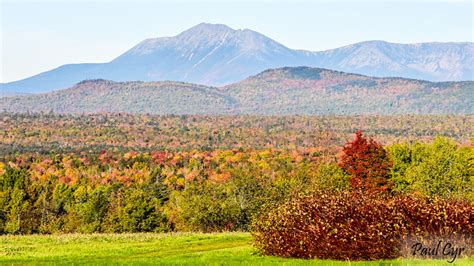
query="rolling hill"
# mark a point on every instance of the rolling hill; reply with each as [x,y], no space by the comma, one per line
[281,91]
[95,96]
[216,55]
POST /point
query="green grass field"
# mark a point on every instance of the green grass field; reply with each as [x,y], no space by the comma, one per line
[168,249]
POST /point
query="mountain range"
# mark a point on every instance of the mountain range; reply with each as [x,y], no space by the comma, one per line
[216,55]
[281,91]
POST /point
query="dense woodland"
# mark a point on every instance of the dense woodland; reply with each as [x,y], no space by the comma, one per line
[124,173]
[56,133]
[198,190]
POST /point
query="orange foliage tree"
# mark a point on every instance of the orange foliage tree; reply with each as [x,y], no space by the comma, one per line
[367,162]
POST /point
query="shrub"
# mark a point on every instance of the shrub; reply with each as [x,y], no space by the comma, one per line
[329,226]
[355,226]
[431,217]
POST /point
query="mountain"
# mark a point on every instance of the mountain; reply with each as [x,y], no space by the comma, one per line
[428,61]
[215,55]
[281,91]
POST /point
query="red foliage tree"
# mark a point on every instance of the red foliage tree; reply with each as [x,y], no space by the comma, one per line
[367,162]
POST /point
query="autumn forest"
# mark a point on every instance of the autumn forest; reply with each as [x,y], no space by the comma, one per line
[112,173]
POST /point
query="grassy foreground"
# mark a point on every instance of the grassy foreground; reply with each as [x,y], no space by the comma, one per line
[169,249]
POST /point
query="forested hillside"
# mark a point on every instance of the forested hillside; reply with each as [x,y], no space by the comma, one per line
[304,90]
[284,91]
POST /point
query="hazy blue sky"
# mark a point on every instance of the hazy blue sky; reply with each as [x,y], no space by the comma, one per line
[40,35]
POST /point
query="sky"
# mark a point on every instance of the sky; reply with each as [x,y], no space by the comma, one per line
[39,35]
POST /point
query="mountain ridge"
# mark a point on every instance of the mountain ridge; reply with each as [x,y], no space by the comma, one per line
[215,55]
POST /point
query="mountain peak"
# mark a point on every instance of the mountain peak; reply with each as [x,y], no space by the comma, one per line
[207,28]
[205,33]
[208,44]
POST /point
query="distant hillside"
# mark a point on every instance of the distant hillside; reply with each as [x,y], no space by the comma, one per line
[304,90]
[298,90]
[95,96]
[215,55]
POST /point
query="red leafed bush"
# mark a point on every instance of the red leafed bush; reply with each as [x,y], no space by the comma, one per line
[330,226]
[355,226]
[367,162]
[432,217]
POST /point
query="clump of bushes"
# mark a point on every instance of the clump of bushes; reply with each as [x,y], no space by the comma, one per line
[357,226]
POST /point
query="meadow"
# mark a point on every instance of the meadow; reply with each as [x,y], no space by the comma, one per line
[229,248]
